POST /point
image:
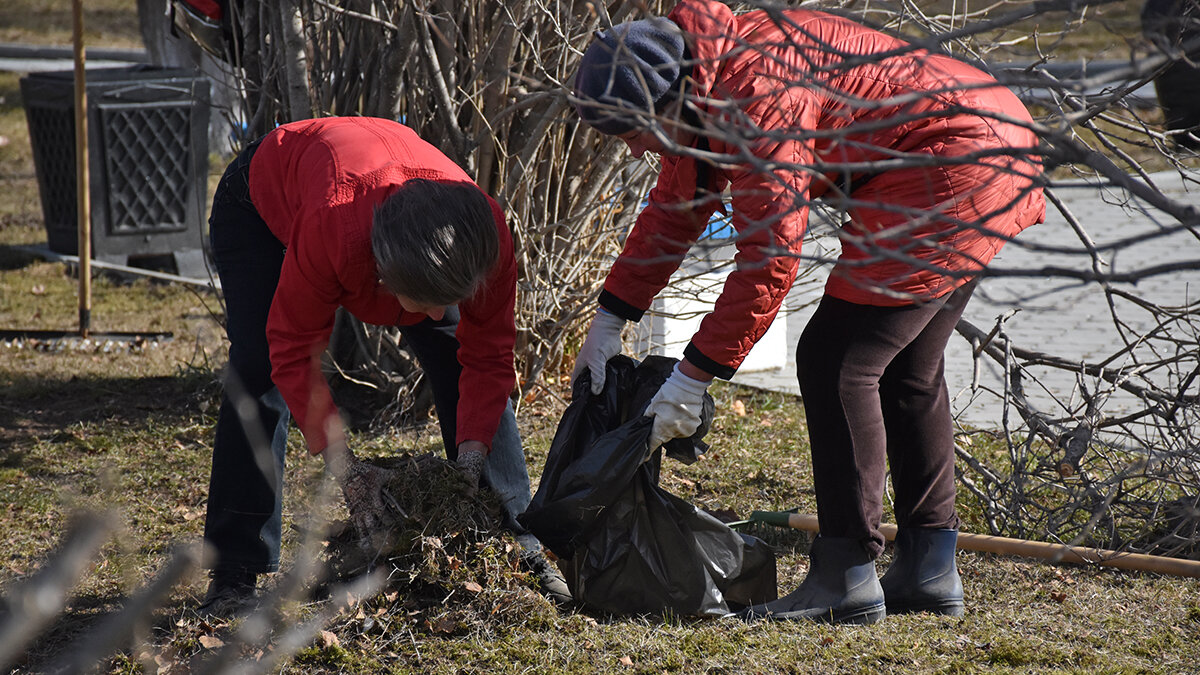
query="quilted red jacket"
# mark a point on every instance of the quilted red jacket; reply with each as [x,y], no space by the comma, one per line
[316,183]
[826,107]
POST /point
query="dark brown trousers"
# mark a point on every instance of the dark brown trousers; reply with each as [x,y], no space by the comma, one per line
[874,390]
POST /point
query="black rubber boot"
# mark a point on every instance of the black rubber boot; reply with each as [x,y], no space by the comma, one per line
[923,576]
[841,587]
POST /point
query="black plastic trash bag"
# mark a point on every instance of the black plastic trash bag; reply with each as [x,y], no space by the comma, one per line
[626,545]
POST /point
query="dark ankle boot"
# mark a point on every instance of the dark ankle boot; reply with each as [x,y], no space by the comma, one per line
[841,587]
[923,576]
[230,593]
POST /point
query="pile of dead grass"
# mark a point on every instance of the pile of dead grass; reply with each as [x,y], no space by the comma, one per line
[451,568]
[448,569]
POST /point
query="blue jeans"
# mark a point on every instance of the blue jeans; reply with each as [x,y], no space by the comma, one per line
[243,523]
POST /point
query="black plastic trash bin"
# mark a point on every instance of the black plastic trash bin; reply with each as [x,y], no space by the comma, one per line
[147,161]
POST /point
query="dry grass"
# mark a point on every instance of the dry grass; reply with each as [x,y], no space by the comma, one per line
[139,443]
[48,22]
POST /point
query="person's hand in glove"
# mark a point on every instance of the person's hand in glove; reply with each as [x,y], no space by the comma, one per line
[603,342]
[471,457]
[676,408]
[362,485]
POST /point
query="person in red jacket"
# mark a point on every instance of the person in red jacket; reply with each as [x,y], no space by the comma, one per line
[932,163]
[362,214]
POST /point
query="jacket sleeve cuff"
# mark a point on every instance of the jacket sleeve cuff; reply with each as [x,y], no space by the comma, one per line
[619,307]
[696,358]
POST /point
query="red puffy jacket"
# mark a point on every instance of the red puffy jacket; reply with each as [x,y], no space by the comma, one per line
[826,107]
[316,183]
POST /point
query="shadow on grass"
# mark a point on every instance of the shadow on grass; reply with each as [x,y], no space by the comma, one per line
[83,615]
[32,407]
[12,258]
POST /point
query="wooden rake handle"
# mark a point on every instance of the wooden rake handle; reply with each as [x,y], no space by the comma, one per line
[1025,548]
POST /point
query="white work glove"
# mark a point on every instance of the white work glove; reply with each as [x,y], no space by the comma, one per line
[603,342]
[676,408]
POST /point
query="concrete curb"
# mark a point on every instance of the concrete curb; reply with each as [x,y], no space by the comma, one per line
[16,50]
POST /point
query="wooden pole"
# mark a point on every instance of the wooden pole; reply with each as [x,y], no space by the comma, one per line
[1024,548]
[82,209]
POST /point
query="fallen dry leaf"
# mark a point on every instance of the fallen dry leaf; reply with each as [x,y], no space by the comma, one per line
[625,661]
[210,642]
[329,639]
[473,587]
[739,408]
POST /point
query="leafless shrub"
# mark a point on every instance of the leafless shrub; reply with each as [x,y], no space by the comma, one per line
[484,82]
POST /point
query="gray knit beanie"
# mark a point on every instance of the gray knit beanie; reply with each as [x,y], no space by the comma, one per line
[627,74]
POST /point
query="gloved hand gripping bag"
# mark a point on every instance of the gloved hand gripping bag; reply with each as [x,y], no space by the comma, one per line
[626,545]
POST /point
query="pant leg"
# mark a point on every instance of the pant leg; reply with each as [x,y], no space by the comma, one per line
[505,472]
[243,523]
[436,347]
[840,359]
[920,429]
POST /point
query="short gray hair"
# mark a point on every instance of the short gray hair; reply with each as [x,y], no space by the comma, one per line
[435,242]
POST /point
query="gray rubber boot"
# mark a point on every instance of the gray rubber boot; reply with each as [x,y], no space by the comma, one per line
[841,587]
[923,576]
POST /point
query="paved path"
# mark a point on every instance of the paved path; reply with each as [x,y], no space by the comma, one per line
[1059,317]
